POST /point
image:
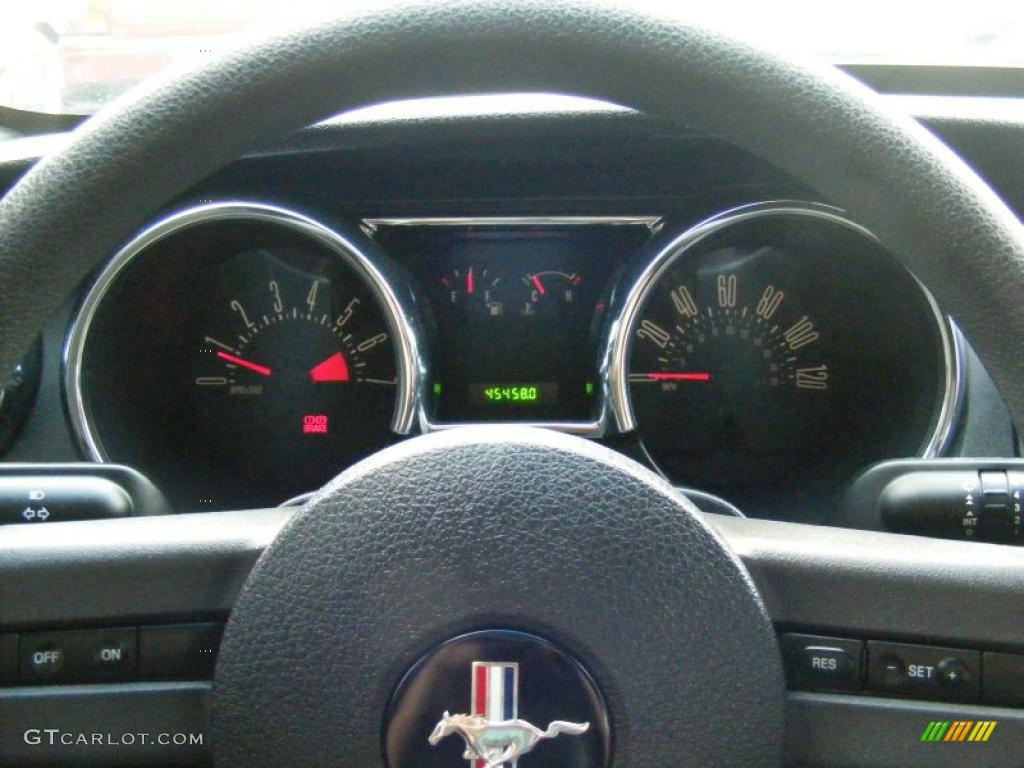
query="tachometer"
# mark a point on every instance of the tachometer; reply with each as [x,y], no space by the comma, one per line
[239,356]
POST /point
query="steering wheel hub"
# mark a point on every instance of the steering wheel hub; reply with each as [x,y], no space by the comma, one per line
[494,697]
[499,527]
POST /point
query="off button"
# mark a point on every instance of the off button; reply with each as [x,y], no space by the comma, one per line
[44,657]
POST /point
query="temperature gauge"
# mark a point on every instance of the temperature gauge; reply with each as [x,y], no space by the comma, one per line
[550,291]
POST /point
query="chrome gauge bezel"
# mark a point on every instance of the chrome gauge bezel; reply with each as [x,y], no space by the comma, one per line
[408,363]
[615,364]
[597,427]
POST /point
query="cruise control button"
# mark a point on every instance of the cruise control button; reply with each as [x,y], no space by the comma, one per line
[893,671]
[822,663]
[953,673]
[923,672]
[80,656]
[44,656]
[106,655]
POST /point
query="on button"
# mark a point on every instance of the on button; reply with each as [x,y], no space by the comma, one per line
[105,655]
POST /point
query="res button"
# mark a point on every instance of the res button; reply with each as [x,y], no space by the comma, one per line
[814,662]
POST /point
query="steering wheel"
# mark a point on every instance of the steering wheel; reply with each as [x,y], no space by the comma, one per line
[555,552]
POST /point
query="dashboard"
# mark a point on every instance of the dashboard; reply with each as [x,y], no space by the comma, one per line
[594,272]
[242,353]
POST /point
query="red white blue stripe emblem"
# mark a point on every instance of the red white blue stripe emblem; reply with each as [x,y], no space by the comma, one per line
[495,693]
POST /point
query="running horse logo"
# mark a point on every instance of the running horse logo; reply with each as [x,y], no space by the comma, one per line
[499,742]
[493,732]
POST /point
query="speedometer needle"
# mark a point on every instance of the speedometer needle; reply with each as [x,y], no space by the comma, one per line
[262,370]
[681,376]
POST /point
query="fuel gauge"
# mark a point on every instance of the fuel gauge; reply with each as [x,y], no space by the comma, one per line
[474,290]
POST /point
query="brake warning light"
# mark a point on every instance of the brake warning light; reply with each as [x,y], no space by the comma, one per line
[314,424]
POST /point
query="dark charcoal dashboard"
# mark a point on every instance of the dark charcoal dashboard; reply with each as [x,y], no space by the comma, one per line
[241,354]
[665,294]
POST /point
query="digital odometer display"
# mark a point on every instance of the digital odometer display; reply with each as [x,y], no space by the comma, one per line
[518,311]
[524,394]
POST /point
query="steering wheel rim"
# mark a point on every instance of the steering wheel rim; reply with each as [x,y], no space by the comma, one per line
[73,208]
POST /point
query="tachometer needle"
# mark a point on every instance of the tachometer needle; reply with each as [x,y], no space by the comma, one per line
[680,376]
[334,368]
[262,370]
[537,284]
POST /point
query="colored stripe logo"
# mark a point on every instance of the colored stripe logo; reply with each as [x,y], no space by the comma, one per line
[495,693]
[959,730]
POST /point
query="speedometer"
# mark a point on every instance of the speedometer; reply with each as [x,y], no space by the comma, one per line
[239,355]
[745,364]
[775,351]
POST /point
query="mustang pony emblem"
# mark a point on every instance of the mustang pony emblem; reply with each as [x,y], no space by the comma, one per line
[496,742]
[493,732]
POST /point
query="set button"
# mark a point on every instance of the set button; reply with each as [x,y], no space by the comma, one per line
[923,671]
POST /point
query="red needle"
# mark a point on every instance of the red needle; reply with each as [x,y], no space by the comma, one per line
[334,368]
[262,370]
[698,376]
[537,284]
[469,281]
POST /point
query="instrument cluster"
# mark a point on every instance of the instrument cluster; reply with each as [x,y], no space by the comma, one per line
[241,354]
[518,306]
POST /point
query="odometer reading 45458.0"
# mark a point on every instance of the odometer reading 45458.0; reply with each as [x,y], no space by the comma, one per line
[524,394]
